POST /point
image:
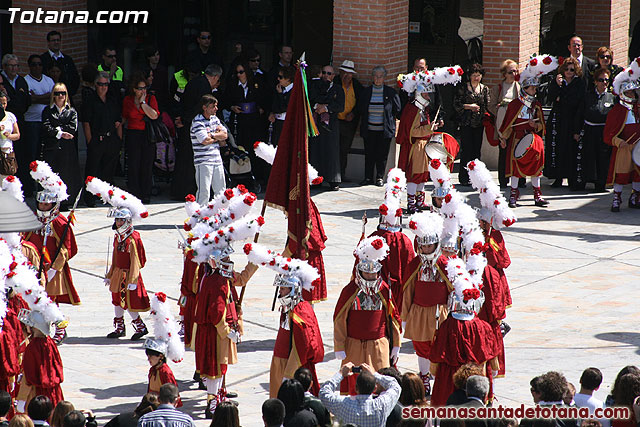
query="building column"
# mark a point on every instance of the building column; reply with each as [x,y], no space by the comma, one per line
[511,31]
[371,33]
[604,23]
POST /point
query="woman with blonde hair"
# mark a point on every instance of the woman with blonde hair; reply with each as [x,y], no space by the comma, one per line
[59,146]
[500,97]
[61,410]
[21,420]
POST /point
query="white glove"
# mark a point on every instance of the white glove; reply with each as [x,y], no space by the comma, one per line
[234,336]
[395,351]
[20,406]
[495,373]
[51,273]
[107,282]
[340,355]
[404,325]
[132,286]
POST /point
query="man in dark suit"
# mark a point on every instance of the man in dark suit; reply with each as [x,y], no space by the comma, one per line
[69,73]
[204,53]
[477,390]
[587,64]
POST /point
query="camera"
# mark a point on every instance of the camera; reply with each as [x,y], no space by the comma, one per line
[356,369]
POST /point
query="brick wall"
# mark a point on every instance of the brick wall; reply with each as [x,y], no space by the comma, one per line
[604,23]
[371,33]
[31,38]
[511,31]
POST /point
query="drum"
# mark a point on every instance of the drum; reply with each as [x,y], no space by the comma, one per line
[635,154]
[528,154]
[435,148]
[523,146]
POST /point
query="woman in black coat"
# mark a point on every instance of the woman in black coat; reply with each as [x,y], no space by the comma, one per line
[60,130]
[377,136]
[567,92]
[593,154]
[245,97]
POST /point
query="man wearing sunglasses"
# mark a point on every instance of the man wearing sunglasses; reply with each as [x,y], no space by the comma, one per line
[110,65]
[70,76]
[40,87]
[587,64]
[327,100]
[204,54]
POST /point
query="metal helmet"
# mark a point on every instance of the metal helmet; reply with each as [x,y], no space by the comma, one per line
[219,259]
[45,196]
[155,344]
[450,243]
[628,85]
[35,319]
[120,213]
[294,296]
[464,310]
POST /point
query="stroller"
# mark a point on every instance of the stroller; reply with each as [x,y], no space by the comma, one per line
[237,166]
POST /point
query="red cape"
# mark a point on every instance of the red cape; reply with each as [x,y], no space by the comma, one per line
[42,367]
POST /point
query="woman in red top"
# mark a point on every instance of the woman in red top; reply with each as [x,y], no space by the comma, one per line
[140,153]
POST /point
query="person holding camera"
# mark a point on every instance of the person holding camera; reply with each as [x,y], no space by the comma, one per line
[364,410]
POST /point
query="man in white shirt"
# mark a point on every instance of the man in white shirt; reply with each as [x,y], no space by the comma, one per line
[590,381]
[40,87]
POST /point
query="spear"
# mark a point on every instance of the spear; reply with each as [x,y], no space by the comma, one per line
[70,220]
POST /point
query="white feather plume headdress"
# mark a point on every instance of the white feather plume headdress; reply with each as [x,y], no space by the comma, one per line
[165,327]
[631,74]
[116,197]
[538,66]
[438,76]
[372,249]
[48,179]
[427,225]
[395,186]
[491,197]
[263,257]
[267,153]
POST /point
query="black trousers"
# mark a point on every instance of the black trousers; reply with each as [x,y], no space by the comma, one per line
[376,150]
[102,158]
[347,132]
[140,157]
[471,144]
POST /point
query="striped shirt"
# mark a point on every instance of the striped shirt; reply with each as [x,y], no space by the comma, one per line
[376,109]
[166,416]
[201,127]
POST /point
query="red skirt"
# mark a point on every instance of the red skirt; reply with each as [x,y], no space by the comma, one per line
[189,313]
[206,352]
[137,300]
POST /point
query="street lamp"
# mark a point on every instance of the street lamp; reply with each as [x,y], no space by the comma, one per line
[15,216]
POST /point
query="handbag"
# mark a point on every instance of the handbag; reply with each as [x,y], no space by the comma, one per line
[8,163]
[156,130]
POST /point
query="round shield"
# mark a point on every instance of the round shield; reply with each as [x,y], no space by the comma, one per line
[522,146]
[635,154]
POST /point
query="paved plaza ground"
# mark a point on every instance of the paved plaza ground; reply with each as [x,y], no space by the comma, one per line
[574,277]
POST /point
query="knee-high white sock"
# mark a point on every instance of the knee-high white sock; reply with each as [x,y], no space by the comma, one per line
[411,188]
[635,186]
[424,365]
[134,315]
[535,181]
[119,311]
[617,188]
[514,182]
[420,186]
[213,385]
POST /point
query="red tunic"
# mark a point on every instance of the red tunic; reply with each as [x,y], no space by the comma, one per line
[60,289]
[134,300]
[14,305]
[528,165]
[622,169]
[315,246]
[400,250]
[190,284]
[458,342]
[160,376]
[215,315]
[42,367]
[306,339]
[9,360]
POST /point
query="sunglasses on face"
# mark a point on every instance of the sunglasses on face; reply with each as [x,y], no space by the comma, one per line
[512,72]
[59,93]
[255,60]
[605,56]
[111,56]
[205,37]
[603,80]
[100,84]
[141,88]
[239,72]
[573,70]
[280,77]
[576,45]
[327,73]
